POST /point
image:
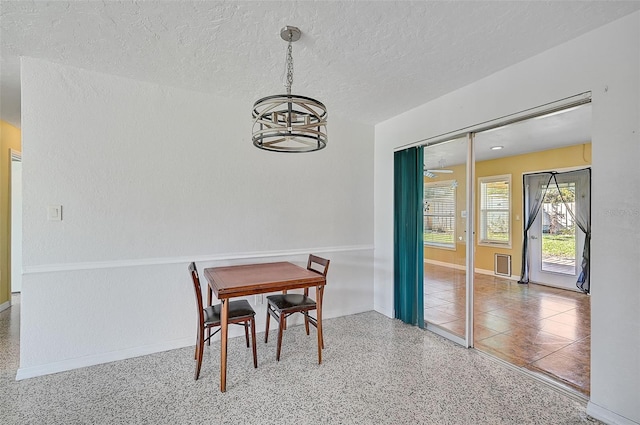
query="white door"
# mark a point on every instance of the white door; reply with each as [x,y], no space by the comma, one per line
[555,241]
[16,226]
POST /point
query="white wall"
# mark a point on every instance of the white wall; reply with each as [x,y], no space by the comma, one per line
[16,226]
[605,61]
[150,178]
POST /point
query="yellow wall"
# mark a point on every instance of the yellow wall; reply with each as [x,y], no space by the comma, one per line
[516,166]
[10,138]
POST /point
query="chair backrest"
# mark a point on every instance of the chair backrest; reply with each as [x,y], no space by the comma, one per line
[318,264]
[196,286]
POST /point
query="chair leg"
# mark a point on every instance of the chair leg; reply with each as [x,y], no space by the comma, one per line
[195,355]
[253,341]
[246,333]
[199,352]
[266,331]
[306,321]
[280,330]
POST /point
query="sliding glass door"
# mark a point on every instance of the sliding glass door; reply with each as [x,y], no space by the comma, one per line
[446,220]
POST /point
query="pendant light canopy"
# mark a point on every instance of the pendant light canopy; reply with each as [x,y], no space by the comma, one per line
[289,122]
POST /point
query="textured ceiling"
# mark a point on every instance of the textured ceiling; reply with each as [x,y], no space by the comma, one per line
[368,61]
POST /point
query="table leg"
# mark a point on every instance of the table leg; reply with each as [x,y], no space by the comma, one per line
[319,293]
[224,322]
[209,296]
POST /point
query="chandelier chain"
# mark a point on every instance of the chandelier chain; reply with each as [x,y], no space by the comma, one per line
[289,82]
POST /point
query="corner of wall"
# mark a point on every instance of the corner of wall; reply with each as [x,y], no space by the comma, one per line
[10,139]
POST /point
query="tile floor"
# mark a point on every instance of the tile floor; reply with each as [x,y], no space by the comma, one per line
[543,329]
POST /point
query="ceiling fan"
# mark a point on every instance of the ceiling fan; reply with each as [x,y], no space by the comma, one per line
[432,173]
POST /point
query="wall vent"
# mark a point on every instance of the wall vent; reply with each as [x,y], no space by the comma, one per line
[502,265]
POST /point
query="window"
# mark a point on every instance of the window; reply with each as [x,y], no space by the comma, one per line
[495,210]
[439,214]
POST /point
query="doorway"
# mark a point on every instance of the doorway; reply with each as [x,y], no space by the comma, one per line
[557,238]
[534,316]
[16,222]
[542,329]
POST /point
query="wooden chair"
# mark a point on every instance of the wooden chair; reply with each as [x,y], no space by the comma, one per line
[240,313]
[283,305]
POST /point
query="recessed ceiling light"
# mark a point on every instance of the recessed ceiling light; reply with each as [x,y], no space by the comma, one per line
[496,148]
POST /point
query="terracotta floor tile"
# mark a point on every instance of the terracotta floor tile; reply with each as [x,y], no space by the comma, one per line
[480,332]
[501,354]
[513,347]
[535,336]
[437,317]
[450,296]
[580,349]
[486,304]
[454,309]
[572,370]
[571,318]
[566,331]
[496,323]
[456,327]
[430,301]
[539,327]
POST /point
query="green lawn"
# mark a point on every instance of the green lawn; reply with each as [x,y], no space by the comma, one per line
[438,237]
[562,246]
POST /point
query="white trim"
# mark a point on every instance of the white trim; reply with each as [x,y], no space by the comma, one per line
[388,312]
[436,329]
[443,264]
[5,305]
[492,273]
[493,179]
[470,234]
[607,416]
[543,379]
[559,170]
[49,268]
[513,277]
[479,271]
[15,155]
[65,365]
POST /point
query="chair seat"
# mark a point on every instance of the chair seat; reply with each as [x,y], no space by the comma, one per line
[287,302]
[237,308]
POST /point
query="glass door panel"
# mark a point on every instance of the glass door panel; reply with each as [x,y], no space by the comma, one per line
[445,258]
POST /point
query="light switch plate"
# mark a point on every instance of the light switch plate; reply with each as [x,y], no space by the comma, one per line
[54,213]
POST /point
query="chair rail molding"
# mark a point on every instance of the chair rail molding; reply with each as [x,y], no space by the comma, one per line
[64,267]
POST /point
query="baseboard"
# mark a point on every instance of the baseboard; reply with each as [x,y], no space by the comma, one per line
[66,365]
[444,264]
[113,356]
[384,311]
[479,271]
[607,416]
[5,305]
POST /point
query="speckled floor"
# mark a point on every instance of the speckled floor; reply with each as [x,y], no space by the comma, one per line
[375,370]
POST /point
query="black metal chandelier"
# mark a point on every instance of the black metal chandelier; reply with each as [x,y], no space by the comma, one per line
[288,122]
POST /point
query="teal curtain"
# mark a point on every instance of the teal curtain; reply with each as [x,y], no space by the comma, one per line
[408,236]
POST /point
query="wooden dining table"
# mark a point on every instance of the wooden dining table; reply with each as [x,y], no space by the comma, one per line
[251,279]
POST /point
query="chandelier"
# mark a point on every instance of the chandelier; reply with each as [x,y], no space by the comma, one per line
[289,122]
